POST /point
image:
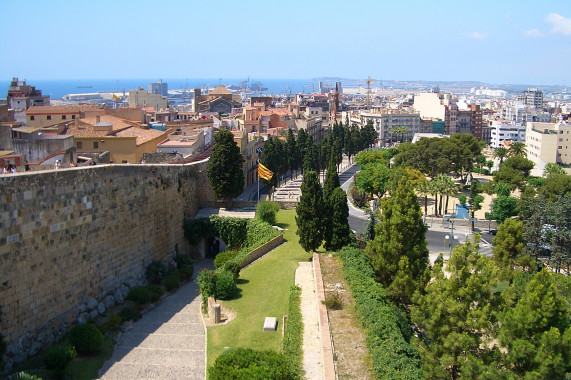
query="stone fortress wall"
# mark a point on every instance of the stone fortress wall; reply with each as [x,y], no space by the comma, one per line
[73,241]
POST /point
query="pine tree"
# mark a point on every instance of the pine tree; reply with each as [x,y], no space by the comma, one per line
[310,213]
[224,170]
[340,232]
[457,314]
[400,232]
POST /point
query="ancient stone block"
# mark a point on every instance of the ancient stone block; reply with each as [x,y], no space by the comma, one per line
[270,324]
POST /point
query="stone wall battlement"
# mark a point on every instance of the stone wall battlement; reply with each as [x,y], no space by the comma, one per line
[75,238]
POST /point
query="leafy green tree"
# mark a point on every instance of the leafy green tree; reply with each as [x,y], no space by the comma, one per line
[457,316]
[310,213]
[555,186]
[371,225]
[373,179]
[490,164]
[301,146]
[514,171]
[503,190]
[340,235]
[224,170]
[369,135]
[311,160]
[534,330]
[272,158]
[401,232]
[448,188]
[504,207]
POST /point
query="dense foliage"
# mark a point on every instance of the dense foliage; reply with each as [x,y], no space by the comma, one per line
[87,339]
[388,331]
[225,167]
[293,336]
[266,211]
[310,213]
[249,364]
[338,234]
[399,250]
[58,357]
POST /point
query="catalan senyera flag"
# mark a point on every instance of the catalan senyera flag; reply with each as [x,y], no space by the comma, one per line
[264,172]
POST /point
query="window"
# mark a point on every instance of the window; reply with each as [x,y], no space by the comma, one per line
[32,117]
[95,145]
[63,117]
[79,145]
[49,117]
[73,117]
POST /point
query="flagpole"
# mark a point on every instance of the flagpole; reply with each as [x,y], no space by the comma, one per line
[258,188]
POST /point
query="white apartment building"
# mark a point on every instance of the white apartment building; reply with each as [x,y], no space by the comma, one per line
[548,143]
[384,120]
[429,105]
[502,130]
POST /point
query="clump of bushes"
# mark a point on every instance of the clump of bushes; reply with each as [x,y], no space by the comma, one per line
[155,292]
[58,357]
[246,363]
[266,211]
[333,301]
[388,331]
[113,323]
[87,339]
[171,282]
[185,272]
[292,346]
[141,295]
[23,376]
[156,272]
[225,285]
[129,313]
[181,260]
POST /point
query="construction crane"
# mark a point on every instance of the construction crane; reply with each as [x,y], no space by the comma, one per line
[121,88]
[369,80]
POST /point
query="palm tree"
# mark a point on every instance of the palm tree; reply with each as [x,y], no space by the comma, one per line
[448,188]
[517,149]
[501,153]
[552,168]
[424,189]
[401,130]
[435,190]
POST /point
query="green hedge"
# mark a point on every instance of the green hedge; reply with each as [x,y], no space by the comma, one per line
[388,331]
[293,336]
[249,364]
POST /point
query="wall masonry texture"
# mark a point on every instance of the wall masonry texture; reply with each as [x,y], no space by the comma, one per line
[72,241]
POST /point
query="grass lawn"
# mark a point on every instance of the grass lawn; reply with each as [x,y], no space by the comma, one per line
[263,292]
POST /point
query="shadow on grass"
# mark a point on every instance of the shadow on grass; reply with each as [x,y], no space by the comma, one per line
[242,281]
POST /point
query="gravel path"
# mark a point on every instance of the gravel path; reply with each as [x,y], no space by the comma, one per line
[312,355]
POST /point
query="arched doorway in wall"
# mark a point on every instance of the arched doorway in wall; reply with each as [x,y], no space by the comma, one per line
[214,246]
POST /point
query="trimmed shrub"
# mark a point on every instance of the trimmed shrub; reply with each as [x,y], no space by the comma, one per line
[129,313]
[141,295]
[246,363]
[86,338]
[113,323]
[185,272]
[387,329]
[156,271]
[223,257]
[206,281]
[171,282]
[292,346]
[181,260]
[155,292]
[233,267]
[266,211]
[225,285]
[58,357]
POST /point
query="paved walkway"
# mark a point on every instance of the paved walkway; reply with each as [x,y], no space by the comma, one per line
[312,354]
[169,342]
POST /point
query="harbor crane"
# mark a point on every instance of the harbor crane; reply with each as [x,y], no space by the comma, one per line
[369,81]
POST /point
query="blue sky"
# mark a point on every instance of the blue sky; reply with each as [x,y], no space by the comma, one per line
[517,42]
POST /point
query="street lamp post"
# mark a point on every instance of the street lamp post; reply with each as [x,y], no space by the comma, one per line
[446,240]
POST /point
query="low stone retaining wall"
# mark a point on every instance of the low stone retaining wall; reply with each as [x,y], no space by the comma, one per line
[262,250]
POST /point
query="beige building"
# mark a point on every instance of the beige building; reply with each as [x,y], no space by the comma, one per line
[141,98]
[548,143]
[384,120]
[430,106]
[45,116]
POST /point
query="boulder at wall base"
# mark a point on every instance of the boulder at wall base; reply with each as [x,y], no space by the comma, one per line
[101,308]
[91,304]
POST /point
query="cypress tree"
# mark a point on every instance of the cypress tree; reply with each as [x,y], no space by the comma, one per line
[224,170]
[340,232]
[309,212]
[331,179]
